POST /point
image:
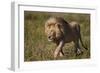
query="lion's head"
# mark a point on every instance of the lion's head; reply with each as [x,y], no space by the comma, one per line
[54,28]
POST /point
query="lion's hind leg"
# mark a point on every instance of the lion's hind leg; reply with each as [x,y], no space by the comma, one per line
[78,50]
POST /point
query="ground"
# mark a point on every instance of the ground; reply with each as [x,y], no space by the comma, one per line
[36,45]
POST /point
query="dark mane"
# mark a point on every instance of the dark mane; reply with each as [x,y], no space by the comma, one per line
[60,19]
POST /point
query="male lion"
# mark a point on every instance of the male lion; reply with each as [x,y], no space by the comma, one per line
[60,32]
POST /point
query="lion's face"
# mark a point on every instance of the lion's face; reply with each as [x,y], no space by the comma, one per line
[52,31]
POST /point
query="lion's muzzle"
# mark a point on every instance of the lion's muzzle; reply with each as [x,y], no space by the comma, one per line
[50,38]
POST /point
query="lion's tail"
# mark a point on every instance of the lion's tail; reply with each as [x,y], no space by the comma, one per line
[82,43]
[81,39]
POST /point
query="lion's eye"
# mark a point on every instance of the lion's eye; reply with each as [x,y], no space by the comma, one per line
[49,25]
[58,25]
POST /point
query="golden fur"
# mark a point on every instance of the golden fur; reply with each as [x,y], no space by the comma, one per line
[60,32]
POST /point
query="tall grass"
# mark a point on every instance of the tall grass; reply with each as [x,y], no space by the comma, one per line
[36,45]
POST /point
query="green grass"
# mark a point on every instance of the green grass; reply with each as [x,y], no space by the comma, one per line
[36,45]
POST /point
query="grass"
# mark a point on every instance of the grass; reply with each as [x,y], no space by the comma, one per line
[36,45]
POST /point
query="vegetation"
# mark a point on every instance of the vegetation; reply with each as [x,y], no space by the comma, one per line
[36,45]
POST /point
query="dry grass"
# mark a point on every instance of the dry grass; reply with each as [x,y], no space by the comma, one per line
[36,45]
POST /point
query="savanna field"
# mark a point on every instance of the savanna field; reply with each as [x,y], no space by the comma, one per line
[36,45]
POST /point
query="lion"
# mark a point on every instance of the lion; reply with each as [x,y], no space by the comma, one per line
[60,32]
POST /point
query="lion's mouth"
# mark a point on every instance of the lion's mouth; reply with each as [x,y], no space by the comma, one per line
[50,38]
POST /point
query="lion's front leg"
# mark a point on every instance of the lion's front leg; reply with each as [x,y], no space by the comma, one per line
[61,53]
[58,50]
